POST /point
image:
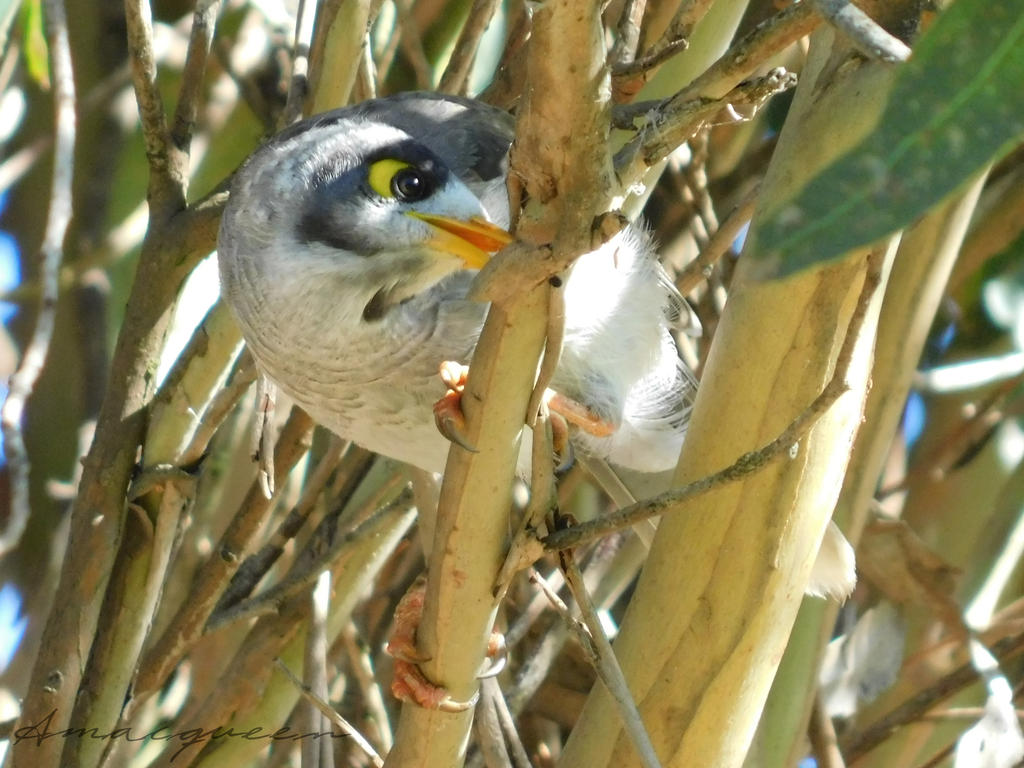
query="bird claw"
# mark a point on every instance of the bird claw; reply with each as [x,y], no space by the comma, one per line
[410,684]
[560,440]
[402,640]
[448,416]
[451,422]
[497,655]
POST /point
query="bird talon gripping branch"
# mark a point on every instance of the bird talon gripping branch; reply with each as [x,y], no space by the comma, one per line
[410,684]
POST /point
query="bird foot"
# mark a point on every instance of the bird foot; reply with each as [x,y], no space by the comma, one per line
[576,413]
[560,438]
[451,422]
[410,684]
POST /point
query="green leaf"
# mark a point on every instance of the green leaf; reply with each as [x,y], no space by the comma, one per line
[35,49]
[956,105]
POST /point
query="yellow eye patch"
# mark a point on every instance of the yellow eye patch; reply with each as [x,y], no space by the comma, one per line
[381,173]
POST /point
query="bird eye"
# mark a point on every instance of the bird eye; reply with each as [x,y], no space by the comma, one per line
[399,180]
[409,185]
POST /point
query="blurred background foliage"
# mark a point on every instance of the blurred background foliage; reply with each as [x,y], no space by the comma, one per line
[942,548]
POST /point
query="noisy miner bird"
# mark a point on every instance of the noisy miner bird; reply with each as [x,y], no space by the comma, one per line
[347,249]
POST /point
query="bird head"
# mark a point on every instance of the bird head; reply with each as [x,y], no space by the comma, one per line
[357,201]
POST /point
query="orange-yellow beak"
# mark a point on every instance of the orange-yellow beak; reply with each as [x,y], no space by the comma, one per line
[474,240]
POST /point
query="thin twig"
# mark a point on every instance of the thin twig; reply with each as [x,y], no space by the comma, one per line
[166,192]
[607,664]
[21,162]
[506,85]
[822,735]
[533,610]
[599,654]
[337,55]
[492,690]
[609,557]
[323,550]
[959,444]
[204,21]
[241,377]
[697,270]
[743,58]
[330,713]
[861,741]
[248,89]
[560,607]
[11,53]
[747,464]
[678,118]
[50,255]
[314,668]
[361,668]
[489,738]
[411,42]
[970,714]
[456,74]
[649,61]
[689,13]
[629,76]
[258,564]
[866,35]
[628,30]
[552,347]
[298,86]
[385,56]
[522,552]
[696,177]
[214,576]
[366,77]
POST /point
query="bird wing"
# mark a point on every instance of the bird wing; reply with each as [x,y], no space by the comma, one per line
[662,399]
